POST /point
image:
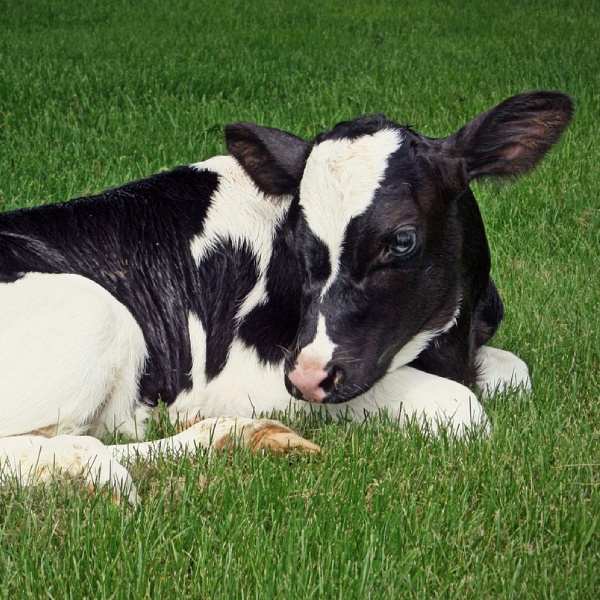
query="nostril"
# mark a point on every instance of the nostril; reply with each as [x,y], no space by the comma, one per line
[333,380]
[314,385]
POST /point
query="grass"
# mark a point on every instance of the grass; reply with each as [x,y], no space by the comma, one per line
[93,94]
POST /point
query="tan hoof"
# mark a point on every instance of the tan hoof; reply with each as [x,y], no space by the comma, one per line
[277,438]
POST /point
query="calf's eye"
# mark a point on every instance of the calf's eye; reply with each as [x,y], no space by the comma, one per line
[404,243]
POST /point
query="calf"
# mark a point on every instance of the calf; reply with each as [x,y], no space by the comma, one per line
[346,275]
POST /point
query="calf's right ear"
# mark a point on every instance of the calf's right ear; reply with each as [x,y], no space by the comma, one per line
[274,159]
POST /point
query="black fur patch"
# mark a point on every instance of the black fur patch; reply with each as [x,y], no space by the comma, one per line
[272,327]
[135,242]
[453,354]
[223,279]
[351,130]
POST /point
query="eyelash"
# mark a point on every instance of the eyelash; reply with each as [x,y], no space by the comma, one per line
[404,243]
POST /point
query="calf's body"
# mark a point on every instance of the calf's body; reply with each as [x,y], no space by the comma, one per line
[347,275]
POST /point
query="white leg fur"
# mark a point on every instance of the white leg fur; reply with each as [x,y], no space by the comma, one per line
[433,402]
[501,371]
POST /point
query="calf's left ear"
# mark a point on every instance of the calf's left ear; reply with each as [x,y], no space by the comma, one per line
[513,137]
[274,159]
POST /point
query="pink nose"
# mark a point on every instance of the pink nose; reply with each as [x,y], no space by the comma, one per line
[308,382]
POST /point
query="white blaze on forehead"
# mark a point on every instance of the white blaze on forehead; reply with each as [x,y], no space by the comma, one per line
[339,182]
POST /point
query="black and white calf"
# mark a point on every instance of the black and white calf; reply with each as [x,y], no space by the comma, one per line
[350,274]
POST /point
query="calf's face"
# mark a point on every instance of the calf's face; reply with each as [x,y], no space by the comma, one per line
[378,247]
[375,230]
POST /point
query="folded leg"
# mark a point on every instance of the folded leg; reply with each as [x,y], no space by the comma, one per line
[36,459]
[222,433]
[501,371]
[409,394]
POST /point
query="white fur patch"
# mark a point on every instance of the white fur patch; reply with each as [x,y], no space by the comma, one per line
[320,351]
[410,395]
[339,183]
[70,355]
[432,401]
[245,217]
[186,406]
[501,371]
[245,387]
[35,459]
[412,349]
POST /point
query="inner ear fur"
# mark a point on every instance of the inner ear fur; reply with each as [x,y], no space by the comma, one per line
[513,137]
[274,159]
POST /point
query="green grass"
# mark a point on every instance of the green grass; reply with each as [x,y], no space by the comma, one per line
[96,93]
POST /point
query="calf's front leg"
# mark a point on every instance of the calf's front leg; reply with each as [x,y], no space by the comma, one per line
[408,394]
[222,433]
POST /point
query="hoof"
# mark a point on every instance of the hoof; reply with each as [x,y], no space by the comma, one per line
[277,438]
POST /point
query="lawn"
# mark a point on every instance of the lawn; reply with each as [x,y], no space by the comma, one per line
[95,93]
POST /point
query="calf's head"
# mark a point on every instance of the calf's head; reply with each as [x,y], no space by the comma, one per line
[375,225]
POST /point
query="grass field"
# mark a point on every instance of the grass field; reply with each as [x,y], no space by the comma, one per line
[95,93]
